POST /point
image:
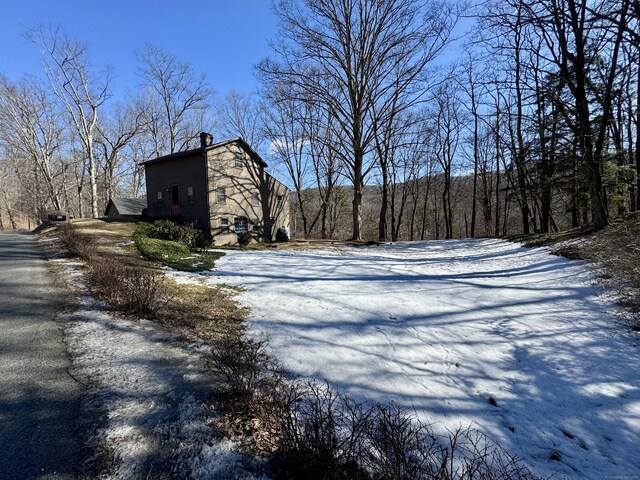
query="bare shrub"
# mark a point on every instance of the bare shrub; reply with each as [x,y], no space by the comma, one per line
[400,446]
[242,367]
[321,434]
[104,276]
[76,243]
[136,290]
[314,432]
[482,458]
[143,291]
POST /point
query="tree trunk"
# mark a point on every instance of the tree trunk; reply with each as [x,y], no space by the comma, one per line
[382,219]
[475,163]
[638,141]
[358,185]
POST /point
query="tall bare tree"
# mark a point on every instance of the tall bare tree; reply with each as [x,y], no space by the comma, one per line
[579,37]
[124,123]
[31,128]
[241,115]
[177,97]
[78,87]
[349,56]
[447,138]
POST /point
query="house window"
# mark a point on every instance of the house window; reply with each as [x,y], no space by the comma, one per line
[255,198]
[190,194]
[241,224]
[221,195]
[238,159]
[159,198]
[224,222]
[279,200]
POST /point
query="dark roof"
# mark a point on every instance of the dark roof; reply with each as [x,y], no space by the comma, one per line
[245,146]
[128,206]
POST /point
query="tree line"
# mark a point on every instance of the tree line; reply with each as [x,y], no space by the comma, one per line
[67,145]
[533,127]
[389,119]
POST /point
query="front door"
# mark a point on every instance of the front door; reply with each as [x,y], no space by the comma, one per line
[175,200]
[175,195]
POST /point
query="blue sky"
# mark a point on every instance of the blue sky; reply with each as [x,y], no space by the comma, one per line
[222,38]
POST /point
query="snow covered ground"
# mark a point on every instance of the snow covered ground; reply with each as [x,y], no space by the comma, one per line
[447,326]
[145,411]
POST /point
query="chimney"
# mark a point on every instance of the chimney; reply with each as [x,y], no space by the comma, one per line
[205,139]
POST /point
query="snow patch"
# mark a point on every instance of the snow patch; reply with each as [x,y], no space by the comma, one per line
[516,341]
[145,412]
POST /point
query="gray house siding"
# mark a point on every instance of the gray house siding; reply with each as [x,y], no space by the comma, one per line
[172,179]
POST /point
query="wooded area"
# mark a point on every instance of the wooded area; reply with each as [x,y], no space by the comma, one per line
[365,113]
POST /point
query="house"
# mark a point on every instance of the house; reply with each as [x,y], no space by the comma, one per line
[125,208]
[221,187]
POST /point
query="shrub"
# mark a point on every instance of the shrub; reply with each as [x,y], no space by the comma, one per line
[104,276]
[175,254]
[189,235]
[321,434]
[242,366]
[142,230]
[401,447]
[143,291]
[78,244]
[135,290]
[244,238]
[310,431]
[161,250]
[204,240]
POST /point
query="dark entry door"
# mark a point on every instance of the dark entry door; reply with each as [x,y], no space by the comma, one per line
[175,201]
[175,196]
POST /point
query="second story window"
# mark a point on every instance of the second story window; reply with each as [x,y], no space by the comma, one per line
[221,195]
[159,198]
[238,159]
[279,200]
[255,198]
[190,194]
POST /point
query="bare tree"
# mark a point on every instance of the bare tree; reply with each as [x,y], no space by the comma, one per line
[471,86]
[80,90]
[7,195]
[447,138]
[177,99]
[115,135]
[240,115]
[569,29]
[349,56]
[31,128]
[288,136]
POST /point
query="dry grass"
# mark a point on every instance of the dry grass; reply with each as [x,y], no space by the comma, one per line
[112,239]
[193,311]
[205,313]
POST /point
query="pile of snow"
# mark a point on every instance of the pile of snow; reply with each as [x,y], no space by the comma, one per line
[145,413]
[517,342]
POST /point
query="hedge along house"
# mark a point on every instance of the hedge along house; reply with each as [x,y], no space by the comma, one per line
[221,187]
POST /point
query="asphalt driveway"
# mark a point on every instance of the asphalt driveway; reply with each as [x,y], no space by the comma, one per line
[39,401]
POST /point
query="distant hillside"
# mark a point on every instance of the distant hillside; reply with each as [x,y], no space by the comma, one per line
[416,218]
